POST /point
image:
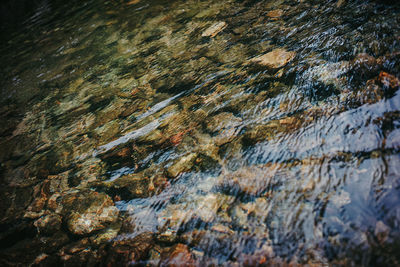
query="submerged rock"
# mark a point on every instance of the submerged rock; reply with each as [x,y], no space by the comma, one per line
[340,3]
[260,133]
[48,224]
[269,131]
[183,164]
[224,126]
[208,206]
[134,185]
[250,180]
[263,256]
[178,255]
[381,232]
[214,29]
[325,78]
[173,216]
[388,80]
[277,58]
[129,251]
[106,234]
[204,208]
[128,186]
[87,212]
[274,14]
[364,64]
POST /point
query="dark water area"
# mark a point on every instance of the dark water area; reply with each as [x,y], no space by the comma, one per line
[200,133]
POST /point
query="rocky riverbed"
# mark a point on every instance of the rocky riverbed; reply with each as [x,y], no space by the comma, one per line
[201,133]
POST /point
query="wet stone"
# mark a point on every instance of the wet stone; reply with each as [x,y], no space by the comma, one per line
[340,3]
[129,251]
[275,59]
[87,212]
[250,180]
[208,206]
[107,131]
[193,238]
[178,255]
[260,133]
[155,254]
[364,64]
[134,185]
[371,93]
[106,234]
[14,203]
[381,231]
[173,216]
[181,165]
[388,80]
[208,93]
[48,224]
[87,257]
[274,14]
[222,229]
[224,127]
[214,29]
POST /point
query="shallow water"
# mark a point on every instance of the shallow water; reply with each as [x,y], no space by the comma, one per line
[165,132]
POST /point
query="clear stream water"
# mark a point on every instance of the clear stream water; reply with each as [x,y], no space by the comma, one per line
[166,110]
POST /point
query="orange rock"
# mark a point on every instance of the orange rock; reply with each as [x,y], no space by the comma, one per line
[178,255]
[274,14]
[388,80]
[177,138]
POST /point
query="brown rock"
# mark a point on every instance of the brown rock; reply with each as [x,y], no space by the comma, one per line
[364,63]
[251,180]
[208,206]
[129,251]
[275,59]
[87,212]
[214,29]
[274,14]
[178,255]
[381,232]
[372,93]
[174,215]
[133,2]
[194,237]
[132,185]
[183,164]
[290,123]
[86,257]
[226,125]
[222,229]
[389,80]
[340,3]
[262,132]
[48,224]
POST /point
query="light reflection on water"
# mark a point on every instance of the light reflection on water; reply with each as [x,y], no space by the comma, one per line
[197,144]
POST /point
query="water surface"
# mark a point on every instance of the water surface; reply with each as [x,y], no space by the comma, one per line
[201,132]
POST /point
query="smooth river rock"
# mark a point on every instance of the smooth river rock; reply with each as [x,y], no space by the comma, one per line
[277,58]
[87,212]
